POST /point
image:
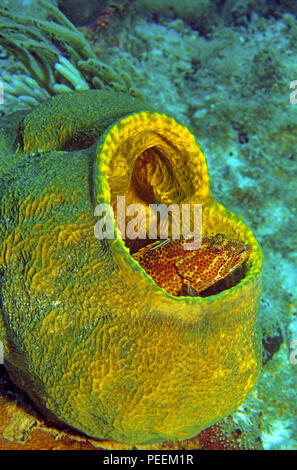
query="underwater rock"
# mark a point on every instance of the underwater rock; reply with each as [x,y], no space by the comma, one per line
[201,15]
[81,13]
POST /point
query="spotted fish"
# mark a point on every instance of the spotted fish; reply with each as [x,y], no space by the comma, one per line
[188,272]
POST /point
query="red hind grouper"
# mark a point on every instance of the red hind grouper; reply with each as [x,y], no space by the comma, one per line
[189,272]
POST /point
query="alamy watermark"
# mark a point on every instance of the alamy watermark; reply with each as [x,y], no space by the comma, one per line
[145,220]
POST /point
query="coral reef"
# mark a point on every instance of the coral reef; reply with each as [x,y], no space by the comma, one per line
[218,82]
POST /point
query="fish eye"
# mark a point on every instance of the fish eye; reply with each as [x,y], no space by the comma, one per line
[217,250]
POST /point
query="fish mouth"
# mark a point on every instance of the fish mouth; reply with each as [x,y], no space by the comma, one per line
[244,253]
